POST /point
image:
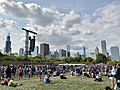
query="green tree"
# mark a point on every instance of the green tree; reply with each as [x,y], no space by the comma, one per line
[89,60]
[77,59]
[101,58]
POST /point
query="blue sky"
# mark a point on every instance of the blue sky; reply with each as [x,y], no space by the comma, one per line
[61,22]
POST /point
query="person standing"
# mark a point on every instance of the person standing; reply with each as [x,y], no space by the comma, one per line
[8,72]
[113,74]
[117,77]
[20,72]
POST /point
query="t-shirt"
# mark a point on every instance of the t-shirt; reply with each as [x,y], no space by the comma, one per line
[11,82]
[5,82]
[20,70]
[113,71]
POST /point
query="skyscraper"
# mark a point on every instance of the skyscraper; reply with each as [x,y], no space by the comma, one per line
[62,53]
[8,45]
[68,50]
[84,52]
[103,46]
[96,50]
[56,54]
[44,49]
[37,50]
[21,52]
[115,53]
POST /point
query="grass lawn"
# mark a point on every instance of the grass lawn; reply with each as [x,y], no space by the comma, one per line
[72,83]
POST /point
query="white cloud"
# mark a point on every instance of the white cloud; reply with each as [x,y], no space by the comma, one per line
[71,18]
[4,23]
[32,12]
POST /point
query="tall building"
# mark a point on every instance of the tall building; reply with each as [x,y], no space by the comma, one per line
[103,46]
[44,49]
[62,53]
[37,50]
[115,53]
[56,54]
[21,52]
[68,51]
[8,45]
[96,50]
[84,52]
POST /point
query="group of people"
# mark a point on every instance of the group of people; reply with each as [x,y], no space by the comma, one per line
[8,73]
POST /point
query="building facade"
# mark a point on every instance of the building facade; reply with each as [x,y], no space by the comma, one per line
[44,49]
[7,45]
[68,51]
[21,52]
[103,46]
[115,53]
[56,54]
[84,52]
[96,50]
[62,53]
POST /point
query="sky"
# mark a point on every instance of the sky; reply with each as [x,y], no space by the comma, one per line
[78,23]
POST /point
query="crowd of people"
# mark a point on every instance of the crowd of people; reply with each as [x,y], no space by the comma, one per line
[8,73]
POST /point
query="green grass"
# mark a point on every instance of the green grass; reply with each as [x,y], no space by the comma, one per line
[72,83]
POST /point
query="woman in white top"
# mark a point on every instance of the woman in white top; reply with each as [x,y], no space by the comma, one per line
[113,73]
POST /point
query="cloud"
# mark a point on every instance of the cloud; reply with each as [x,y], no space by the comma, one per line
[4,23]
[71,18]
[32,12]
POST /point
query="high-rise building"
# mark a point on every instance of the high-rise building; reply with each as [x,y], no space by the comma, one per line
[37,50]
[68,50]
[56,54]
[44,49]
[21,52]
[62,53]
[103,46]
[84,52]
[115,53]
[8,45]
[96,50]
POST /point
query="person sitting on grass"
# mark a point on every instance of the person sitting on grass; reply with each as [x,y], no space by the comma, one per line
[5,82]
[47,79]
[88,74]
[11,83]
[98,77]
[62,76]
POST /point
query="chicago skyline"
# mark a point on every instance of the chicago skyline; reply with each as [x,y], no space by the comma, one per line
[59,23]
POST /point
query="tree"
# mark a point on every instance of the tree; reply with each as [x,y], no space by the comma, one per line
[89,60]
[101,58]
[78,59]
